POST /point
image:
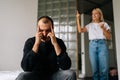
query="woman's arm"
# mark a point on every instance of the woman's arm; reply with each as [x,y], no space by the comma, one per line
[78,24]
[106,32]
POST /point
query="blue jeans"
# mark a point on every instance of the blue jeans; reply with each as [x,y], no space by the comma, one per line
[98,55]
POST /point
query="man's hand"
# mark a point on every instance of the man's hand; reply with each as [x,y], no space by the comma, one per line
[52,36]
[38,36]
[54,41]
[38,40]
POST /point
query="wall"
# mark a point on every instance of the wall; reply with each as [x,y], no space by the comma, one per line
[17,23]
[116,5]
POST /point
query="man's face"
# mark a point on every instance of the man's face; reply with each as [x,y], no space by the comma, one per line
[44,28]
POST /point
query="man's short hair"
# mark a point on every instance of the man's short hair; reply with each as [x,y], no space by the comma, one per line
[47,20]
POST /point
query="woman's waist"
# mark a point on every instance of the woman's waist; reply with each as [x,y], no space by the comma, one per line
[97,39]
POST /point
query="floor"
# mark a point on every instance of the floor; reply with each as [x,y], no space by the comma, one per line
[85,79]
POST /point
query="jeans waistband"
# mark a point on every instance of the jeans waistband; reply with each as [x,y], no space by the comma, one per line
[97,39]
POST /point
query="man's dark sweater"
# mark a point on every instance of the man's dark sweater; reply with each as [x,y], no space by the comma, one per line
[46,61]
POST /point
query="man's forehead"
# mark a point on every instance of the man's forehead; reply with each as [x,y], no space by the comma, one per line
[44,23]
[44,20]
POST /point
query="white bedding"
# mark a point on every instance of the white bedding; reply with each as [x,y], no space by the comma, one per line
[9,75]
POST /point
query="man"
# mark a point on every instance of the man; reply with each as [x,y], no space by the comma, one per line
[45,56]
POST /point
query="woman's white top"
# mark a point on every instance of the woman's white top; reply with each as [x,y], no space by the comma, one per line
[95,31]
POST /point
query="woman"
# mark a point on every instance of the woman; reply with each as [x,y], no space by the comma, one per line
[98,31]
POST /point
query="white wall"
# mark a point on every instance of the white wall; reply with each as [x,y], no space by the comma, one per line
[17,23]
[116,8]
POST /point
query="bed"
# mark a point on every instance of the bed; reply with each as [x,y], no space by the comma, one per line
[9,75]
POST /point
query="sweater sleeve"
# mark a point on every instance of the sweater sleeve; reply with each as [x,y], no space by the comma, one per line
[63,59]
[28,56]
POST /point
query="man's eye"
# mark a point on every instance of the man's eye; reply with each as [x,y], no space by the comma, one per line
[48,30]
[41,30]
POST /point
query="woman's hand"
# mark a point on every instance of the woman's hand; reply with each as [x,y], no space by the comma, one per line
[77,14]
[101,24]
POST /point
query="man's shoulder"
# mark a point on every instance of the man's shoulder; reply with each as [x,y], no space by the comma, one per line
[30,39]
[58,39]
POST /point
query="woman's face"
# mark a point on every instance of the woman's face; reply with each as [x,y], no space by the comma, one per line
[95,16]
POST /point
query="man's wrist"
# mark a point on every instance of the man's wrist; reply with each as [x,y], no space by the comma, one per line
[35,48]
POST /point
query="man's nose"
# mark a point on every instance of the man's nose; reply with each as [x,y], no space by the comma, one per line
[44,33]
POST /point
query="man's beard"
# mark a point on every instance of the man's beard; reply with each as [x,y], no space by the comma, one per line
[45,39]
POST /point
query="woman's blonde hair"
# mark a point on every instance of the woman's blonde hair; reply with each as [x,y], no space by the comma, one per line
[100,12]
